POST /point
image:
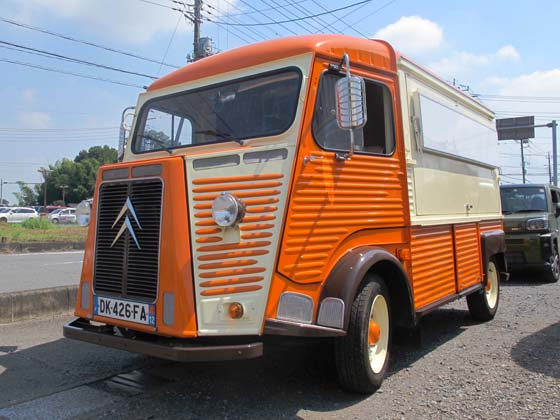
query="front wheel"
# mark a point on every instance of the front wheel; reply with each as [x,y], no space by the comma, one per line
[3,220]
[362,356]
[55,221]
[552,273]
[483,304]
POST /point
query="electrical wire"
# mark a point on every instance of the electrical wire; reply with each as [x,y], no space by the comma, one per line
[84,76]
[82,41]
[303,17]
[49,54]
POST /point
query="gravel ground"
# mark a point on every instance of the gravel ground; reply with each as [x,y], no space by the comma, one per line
[506,368]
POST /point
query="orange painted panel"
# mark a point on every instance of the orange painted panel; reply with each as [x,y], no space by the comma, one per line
[490,225]
[432,264]
[175,269]
[467,248]
[331,199]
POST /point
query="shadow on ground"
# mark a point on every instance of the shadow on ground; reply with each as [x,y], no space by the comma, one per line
[291,377]
[540,351]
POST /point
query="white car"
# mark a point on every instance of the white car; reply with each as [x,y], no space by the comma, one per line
[18,214]
[62,216]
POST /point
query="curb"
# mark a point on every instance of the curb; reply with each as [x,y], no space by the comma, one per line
[10,248]
[38,303]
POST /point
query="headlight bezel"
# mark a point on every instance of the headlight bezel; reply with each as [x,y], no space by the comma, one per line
[537,224]
[227,210]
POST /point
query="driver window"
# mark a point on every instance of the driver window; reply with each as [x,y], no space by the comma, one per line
[375,137]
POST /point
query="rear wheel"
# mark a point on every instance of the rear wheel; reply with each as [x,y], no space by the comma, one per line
[3,220]
[483,304]
[552,273]
[362,356]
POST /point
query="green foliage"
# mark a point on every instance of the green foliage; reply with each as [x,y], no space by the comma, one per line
[37,223]
[25,196]
[76,177]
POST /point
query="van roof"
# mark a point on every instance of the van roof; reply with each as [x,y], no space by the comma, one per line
[378,54]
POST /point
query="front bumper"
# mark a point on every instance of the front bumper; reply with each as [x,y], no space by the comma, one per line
[178,350]
[529,251]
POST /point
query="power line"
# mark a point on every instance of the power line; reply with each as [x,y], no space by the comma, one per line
[300,18]
[339,19]
[49,54]
[380,8]
[84,76]
[82,41]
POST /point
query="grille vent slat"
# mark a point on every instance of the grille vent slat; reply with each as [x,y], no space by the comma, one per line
[124,270]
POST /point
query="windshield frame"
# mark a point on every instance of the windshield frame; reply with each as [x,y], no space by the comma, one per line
[146,107]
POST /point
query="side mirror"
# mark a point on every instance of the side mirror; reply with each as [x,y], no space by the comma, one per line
[350,104]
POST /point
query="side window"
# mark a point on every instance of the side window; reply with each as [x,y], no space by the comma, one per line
[164,129]
[375,137]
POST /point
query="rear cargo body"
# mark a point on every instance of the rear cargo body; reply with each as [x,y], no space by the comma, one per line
[398,210]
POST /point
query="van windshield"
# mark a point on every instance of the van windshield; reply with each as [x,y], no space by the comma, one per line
[259,106]
[523,199]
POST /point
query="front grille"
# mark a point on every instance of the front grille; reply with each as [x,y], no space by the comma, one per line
[121,268]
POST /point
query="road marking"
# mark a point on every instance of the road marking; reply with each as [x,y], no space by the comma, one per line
[63,263]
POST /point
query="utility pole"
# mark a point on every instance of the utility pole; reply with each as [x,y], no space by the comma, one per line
[553,125]
[522,160]
[196,22]
[549,169]
[45,173]
[1,191]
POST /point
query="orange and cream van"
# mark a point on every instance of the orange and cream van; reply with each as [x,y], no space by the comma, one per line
[314,186]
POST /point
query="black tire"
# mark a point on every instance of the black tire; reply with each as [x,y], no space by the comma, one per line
[55,221]
[3,220]
[483,304]
[552,273]
[352,357]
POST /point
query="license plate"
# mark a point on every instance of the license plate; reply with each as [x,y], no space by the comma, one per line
[141,313]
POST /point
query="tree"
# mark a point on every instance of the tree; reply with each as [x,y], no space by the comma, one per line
[25,196]
[77,176]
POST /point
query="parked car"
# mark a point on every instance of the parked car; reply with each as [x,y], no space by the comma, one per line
[18,215]
[62,216]
[531,222]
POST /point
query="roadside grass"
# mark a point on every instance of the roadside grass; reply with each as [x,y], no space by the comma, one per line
[41,230]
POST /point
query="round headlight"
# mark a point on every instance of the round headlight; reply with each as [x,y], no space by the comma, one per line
[83,212]
[227,210]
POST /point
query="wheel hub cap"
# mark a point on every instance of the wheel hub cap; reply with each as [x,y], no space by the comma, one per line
[374,333]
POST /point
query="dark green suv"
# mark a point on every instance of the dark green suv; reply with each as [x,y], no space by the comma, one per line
[531,221]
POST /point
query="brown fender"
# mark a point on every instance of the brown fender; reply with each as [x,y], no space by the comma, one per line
[493,244]
[346,277]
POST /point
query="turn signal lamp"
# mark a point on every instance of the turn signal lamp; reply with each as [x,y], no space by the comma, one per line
[236,310]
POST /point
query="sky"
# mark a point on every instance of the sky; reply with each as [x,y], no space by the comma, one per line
[504,52]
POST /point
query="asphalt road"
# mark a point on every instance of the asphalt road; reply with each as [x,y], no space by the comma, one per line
[38,270]
[506,368]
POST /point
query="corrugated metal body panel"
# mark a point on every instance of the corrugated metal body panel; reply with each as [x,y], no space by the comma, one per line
[491,225]
[467,249]
[433,264]
[227,268]
[331,200]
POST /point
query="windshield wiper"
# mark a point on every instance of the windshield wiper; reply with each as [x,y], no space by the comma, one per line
[158,141]
[219,134]
[530,211]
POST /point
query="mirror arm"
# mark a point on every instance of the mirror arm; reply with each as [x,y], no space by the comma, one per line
[347,156]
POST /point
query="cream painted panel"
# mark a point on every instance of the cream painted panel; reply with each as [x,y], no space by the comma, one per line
[212,320]
[446,193]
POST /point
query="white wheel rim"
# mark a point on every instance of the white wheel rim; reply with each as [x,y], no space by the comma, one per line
[492,286]
[379,315]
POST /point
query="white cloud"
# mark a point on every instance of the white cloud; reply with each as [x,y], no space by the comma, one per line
[412,35]
[462,63]
[34,119]
[128,20]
